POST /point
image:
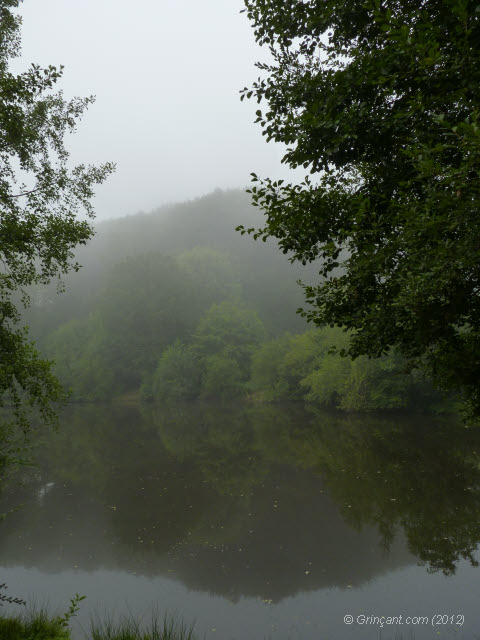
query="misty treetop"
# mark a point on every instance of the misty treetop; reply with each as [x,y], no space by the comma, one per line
[200,235]
[380,100]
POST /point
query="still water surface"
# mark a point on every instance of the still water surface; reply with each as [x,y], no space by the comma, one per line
[258,522]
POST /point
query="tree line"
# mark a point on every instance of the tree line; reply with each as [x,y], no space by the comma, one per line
[192,326]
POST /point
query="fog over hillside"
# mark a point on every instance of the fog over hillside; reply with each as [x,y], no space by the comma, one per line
[266,274]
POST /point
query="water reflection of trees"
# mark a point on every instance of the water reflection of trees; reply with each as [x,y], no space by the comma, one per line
[419,475]
[15,452]
[260,501]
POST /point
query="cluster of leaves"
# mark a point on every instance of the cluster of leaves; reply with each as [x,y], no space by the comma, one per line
[216,362]
[39,199]
[10,599]
[380,100]
[64,620]
[307,367]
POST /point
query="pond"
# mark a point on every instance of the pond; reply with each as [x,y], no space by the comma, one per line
[252,521]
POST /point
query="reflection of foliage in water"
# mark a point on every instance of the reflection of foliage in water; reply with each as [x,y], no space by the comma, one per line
[421,476]
[80,449]
[16,448]
[167,466]
[219,439]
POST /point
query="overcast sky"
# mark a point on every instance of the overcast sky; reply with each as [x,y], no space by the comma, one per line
[166,75]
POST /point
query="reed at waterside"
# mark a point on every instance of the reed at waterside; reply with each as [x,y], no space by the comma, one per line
[40,626]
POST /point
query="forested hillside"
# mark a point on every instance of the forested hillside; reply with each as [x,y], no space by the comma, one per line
[179,305]
[267,277]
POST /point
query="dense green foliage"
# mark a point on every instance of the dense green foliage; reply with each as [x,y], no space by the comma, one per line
[225,359]
[40,196]
[193,325]
[304,367]
[380,100]
[216,363]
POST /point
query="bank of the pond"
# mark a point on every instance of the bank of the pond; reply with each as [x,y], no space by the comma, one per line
[38,626]
[42,626]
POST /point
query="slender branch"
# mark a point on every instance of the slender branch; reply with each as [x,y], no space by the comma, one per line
[19,195]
